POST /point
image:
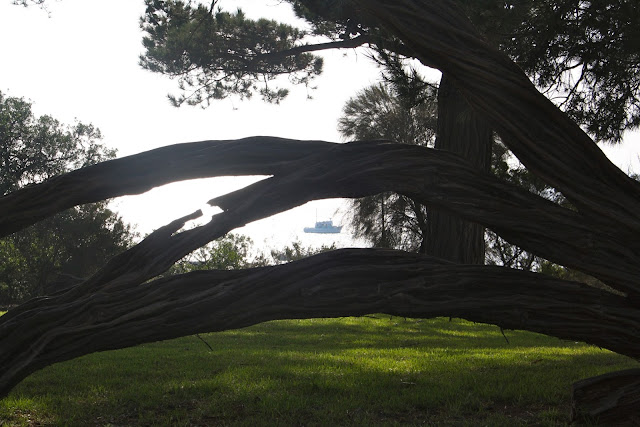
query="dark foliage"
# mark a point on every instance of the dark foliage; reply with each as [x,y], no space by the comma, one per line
[214,54]
[584,55]
[390,220]
[73,243]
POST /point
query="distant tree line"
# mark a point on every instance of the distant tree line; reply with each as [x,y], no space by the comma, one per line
[73,243]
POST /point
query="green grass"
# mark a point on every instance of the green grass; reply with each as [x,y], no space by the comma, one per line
[349,371]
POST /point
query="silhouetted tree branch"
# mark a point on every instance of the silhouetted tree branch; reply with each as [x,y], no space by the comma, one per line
[122,305]
[127,311]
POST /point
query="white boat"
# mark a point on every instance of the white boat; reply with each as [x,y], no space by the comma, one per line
[323,227]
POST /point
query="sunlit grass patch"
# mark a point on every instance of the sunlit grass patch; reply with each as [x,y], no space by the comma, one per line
[369,370]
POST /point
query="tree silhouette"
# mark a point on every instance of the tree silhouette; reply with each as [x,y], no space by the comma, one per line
[123,305]
[72,243]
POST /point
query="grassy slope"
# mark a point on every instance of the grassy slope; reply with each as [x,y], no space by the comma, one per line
[364,371]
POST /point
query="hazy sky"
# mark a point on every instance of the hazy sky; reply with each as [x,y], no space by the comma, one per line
[80,61]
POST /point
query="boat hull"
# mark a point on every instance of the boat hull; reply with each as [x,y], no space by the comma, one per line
[326,230]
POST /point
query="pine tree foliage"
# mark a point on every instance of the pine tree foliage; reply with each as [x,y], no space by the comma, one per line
[583,54]
[381,111]
[215,54]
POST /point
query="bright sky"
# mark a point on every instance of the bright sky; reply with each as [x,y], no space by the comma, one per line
[81,61]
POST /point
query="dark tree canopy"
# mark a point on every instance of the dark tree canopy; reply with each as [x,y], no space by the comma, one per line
[72,243]
[214,54]
[34,148]
[585,54]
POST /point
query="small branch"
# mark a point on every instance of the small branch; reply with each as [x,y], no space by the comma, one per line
[504,336]
[574,88]
[343,44]
[205,343]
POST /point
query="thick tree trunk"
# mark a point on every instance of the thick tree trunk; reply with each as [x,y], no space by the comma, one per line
[464,132]
[543,139]
[609,399]
[116,306]
[119,306]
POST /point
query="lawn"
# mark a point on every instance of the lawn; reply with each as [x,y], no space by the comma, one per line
[372,370]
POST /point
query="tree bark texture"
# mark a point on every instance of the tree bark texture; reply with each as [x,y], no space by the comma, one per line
[140,173]
[332,170]
[463,131]
[543,138]
[603,250]
[122,305]
[339,283]
[609,399]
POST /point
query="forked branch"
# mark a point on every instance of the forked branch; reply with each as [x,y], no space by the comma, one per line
[315,170]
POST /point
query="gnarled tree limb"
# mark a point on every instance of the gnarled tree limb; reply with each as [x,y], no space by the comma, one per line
[547,142]
[339,283]
[139,173]
[315,170]
[99,309]
[119,307]
[607,399]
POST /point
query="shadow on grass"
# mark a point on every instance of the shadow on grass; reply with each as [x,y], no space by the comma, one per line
[333,371]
